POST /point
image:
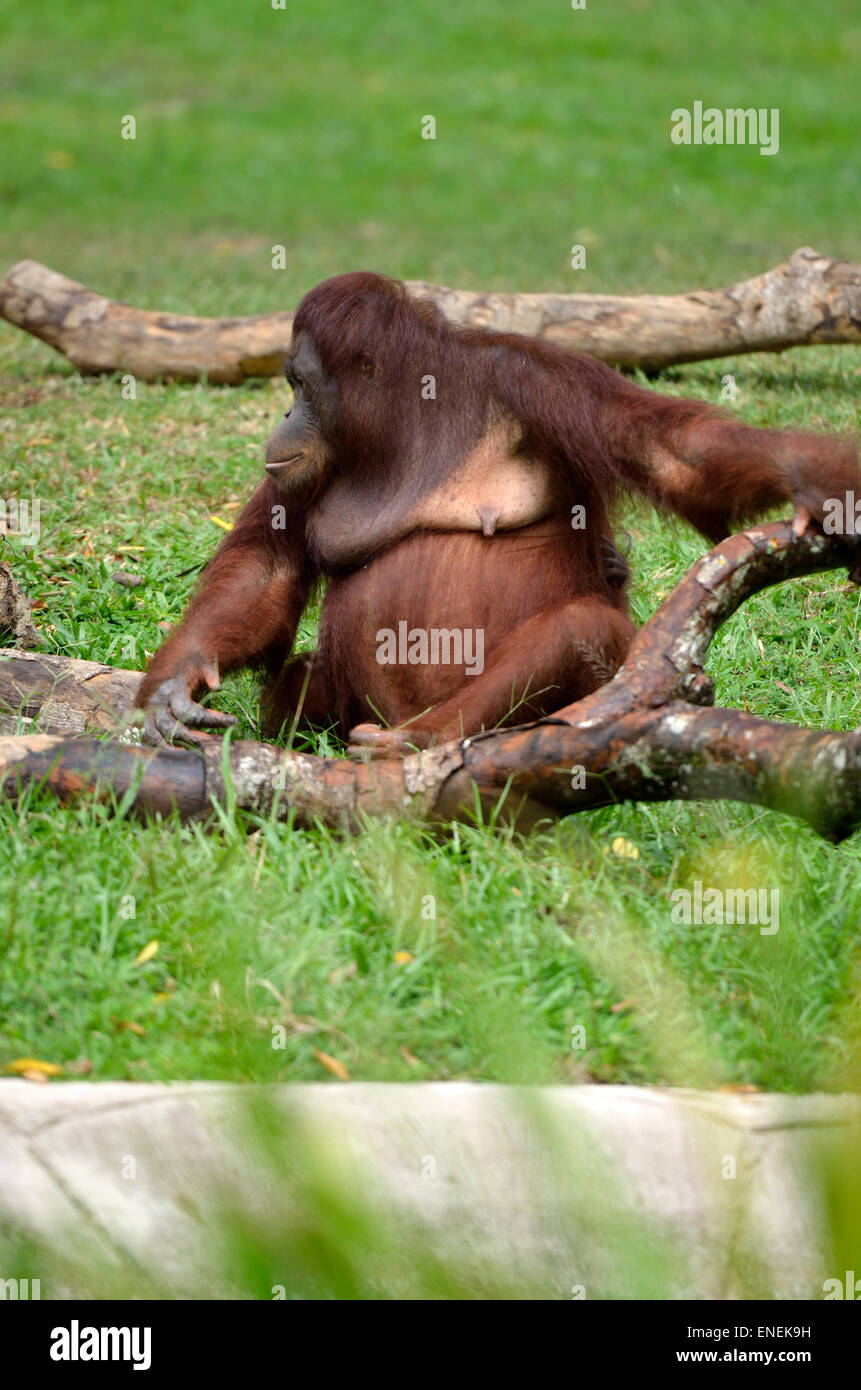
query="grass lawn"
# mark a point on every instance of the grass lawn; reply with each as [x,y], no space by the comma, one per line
[401,955]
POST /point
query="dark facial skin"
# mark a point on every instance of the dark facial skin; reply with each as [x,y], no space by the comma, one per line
[297,454]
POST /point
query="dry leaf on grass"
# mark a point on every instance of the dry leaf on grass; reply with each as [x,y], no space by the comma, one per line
[332,1065]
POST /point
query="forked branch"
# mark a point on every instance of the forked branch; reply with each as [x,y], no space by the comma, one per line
[648,735]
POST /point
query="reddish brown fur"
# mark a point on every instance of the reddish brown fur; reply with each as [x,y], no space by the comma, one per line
[460,580]
[248,604]
[554,628]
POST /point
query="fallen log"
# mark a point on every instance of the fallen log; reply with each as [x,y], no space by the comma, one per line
[67,696]
[648,735]
[810,298]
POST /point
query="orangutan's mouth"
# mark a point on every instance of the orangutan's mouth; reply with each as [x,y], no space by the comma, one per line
[279,465]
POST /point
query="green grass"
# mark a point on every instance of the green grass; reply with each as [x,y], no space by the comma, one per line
[275,127]
[257,126]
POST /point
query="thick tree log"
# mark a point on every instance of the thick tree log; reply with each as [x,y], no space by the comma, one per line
[643,737]
[336,791]
[810,298]
[103,335]
[67,696]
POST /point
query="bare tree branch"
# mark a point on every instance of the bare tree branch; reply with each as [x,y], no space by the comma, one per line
[645,736]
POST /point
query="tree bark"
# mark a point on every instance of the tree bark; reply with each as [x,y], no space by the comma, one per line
[67,696]
[16,615]
[645,736]
[808,299]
